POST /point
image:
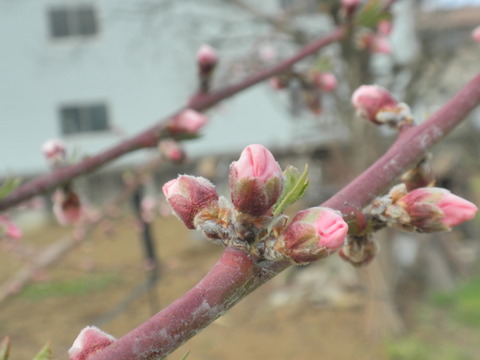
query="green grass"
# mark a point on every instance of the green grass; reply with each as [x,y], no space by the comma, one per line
[78,286]
[463,304]
[430,340]
[412,348]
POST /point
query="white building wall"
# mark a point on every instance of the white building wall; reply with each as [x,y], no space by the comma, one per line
[142,77]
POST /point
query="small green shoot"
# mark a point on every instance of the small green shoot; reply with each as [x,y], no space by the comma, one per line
[295,186]
[8,186]
[45,353]
[4,348]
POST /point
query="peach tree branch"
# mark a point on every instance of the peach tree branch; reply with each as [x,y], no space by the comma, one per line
[236,274]
[151,136]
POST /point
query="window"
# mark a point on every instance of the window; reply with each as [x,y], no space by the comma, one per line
[68,21]
[83,118]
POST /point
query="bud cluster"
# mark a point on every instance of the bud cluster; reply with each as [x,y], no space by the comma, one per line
[376,104]
[247,222]
[424,210]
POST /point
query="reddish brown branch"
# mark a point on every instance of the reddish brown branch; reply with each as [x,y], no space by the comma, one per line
[150,137]
[235,275]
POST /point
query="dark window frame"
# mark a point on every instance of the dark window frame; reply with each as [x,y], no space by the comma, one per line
[84,118]
[73,21]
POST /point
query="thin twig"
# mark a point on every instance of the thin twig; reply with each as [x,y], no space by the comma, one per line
[151,136]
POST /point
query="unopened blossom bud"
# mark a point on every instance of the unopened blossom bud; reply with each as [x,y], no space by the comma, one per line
[90,340]
[278,82]
[380,45]
[434,209]
[54,152]
[256,181]
[188,121]
[67,206]
[359,250]
[207,59]
[188,195]
[476,34]
[325,81]
[384,28]
[9,229]
[171,150]
[312,235]
[370,100]
[421,175]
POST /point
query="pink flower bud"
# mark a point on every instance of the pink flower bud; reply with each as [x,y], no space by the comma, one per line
[67,207]
[277,83]
[207,59]
[188,195]
[380,45]
[54,152]
[9,229]
[313,234]
[384,28]
[256,181]
[171,150]
[90,340]
[369,100]
[325,81]
[434,209]
[188,121]
[476,34]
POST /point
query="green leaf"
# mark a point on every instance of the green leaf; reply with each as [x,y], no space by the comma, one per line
[8,186]
[295,186]
[372,13]
[4,348]
[45,353]
[323,64]
[186,355]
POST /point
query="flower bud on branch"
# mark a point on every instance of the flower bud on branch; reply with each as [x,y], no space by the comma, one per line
[476,34]
[187,195]
[420,176]
[312,235]
[423,210]
[256,181]
[171,150]
[207,59]
[54,151]
[325,81]
[188,121]
[377,104]
[9,229]
[90,340]
[67,206]
[435,209]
